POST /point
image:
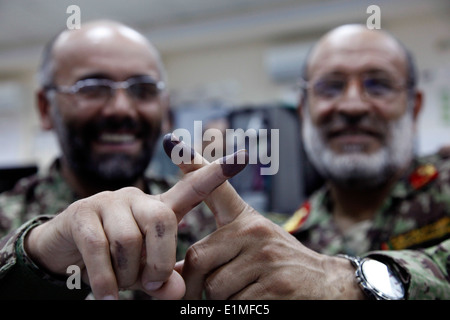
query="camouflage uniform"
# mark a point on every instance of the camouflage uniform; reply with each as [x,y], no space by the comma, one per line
[37,199]
[411,229]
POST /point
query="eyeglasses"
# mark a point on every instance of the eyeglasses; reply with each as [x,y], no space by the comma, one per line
[378,88]
[95,92]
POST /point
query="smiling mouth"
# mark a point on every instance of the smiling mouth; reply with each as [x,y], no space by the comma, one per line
[354,140]
[117,138]
[353,137]
[115,142]
[354,133]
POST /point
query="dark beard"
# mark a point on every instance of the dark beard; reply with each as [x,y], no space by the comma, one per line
[113,171]
[106,171]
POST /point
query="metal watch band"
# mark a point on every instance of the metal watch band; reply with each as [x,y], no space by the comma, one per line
[356,262]
[371,291]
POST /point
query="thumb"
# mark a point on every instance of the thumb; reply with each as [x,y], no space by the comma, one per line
[224,201]
[179,266]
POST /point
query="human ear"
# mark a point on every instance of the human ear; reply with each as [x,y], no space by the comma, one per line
[44,105]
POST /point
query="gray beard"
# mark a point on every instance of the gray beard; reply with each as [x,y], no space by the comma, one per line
[357,169]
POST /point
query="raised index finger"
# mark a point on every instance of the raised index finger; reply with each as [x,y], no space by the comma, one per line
[224,201]
[196,186]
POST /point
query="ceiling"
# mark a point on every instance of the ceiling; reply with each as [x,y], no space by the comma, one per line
[182,24]
[35,20]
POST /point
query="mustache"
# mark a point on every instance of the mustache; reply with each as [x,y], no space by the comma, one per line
[114,124]
[340,123]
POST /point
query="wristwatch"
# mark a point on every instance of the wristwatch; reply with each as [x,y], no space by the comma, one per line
[377,280]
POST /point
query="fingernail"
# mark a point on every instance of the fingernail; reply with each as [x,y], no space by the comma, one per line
[153,285]
[170,141]
[234,163]
[109,297]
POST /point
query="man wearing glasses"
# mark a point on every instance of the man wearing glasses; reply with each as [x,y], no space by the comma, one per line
[102,89]
[381,208]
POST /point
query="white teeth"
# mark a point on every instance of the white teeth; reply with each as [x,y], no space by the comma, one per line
[116,138]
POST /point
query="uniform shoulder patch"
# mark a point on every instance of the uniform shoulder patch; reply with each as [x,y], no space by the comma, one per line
[423,175]
[298,218]
[420,237]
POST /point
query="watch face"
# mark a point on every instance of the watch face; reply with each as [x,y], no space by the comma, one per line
[381,278]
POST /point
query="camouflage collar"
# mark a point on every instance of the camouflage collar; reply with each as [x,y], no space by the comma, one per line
[421,173]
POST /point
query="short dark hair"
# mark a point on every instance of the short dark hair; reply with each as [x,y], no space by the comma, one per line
[45,71]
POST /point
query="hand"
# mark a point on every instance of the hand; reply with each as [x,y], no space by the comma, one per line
[249,257]
[125,238]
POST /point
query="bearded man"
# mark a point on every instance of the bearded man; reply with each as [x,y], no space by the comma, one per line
[102,90]
[382,208]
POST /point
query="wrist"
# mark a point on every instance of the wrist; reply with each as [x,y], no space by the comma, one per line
[31,246]
[341,279]
[31,243]
[377,279]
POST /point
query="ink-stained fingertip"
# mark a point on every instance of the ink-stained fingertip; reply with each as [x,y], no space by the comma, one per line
[169,142]
[234,163]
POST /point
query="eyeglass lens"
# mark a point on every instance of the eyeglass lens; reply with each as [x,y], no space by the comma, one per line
[99,91]
[372,87]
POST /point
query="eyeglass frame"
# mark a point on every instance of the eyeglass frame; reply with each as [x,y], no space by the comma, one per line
[113,85]
[304,85]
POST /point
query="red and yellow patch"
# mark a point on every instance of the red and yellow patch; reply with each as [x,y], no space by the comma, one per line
[435,230]
[423,175]
[298,218]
